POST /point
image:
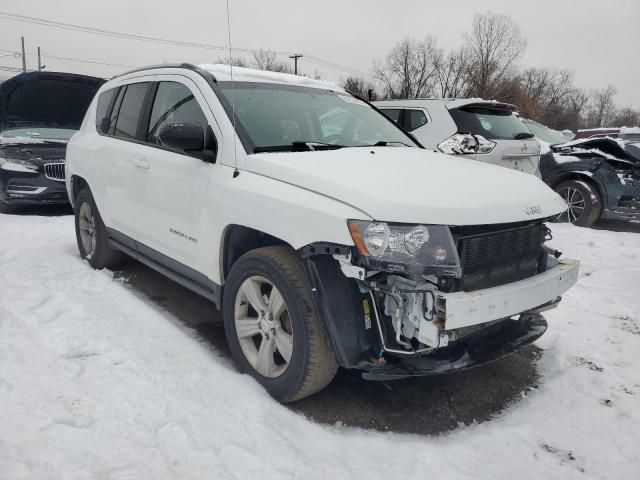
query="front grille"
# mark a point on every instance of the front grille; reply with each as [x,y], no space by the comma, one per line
[54,171]
[498,257]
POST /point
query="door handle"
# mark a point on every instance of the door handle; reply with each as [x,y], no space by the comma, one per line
[141,163]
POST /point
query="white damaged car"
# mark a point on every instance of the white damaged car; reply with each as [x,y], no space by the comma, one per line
[324,232]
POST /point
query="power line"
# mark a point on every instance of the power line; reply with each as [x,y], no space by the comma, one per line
[72,59]
[111,33]
[164,41]
[334,66]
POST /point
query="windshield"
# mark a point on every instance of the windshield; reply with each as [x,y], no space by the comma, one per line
[546,134]
[275,117]
[491,123]
[39,133]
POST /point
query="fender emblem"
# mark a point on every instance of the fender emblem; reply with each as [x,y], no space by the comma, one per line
[533,210]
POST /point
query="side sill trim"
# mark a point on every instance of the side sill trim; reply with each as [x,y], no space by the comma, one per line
[168,267]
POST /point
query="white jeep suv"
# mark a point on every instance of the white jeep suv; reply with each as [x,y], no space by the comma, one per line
[325,234]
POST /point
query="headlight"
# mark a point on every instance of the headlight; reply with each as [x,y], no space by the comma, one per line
[420,246]
[465,144]
[16,165]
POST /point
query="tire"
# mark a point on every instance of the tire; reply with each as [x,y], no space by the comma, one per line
[296,325]
[97,252]
[583,200]
[6,208]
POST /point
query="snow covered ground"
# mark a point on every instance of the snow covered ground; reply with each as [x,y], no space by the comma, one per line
[98,383]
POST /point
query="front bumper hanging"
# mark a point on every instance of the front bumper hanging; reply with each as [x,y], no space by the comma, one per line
[484,346]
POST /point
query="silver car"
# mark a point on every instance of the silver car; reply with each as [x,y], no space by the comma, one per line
[483,130]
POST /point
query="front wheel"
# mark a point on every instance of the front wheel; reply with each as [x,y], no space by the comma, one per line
[272,327]
[6,208]
[584,203]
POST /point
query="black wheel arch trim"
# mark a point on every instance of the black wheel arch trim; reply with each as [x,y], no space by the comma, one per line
[340,304]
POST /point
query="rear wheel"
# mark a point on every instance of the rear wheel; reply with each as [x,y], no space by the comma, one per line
[272,327]
[91,234]
[584,203]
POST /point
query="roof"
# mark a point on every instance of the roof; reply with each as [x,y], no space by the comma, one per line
[240,74]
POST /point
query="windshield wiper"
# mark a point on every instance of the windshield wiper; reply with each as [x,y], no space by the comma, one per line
[523,136]
[384,143]
[298,146]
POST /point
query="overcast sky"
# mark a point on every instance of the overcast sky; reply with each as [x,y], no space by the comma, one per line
[597,40]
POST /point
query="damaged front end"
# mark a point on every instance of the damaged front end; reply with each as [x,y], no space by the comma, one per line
[426,300]
[612,165]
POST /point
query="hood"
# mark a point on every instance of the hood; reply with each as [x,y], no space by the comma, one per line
[412,185]
[606,147]
[37,153]
[46,99]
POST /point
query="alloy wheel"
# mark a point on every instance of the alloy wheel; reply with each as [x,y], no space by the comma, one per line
[87,226]
[263,326]
[575,204]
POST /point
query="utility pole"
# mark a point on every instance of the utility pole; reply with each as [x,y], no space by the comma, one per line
[39,62]
[24,56]
[295,57]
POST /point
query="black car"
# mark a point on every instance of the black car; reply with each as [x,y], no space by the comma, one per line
[39,112]
[597,177]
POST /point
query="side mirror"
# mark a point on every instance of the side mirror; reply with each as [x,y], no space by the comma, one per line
[182,136]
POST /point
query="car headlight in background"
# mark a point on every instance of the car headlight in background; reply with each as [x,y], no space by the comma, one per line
[16,165]
[465,144]
[419,246]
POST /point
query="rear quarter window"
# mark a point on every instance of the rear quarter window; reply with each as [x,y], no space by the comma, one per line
[103,109]
[415,119]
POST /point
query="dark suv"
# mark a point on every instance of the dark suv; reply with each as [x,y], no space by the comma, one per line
[39,112]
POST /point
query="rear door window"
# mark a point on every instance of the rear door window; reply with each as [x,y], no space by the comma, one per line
[131,110]
[491,123]
[174,103]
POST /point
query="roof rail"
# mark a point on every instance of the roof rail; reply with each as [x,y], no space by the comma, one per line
[188,66]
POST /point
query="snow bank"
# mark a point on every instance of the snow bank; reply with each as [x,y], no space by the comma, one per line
[98,383]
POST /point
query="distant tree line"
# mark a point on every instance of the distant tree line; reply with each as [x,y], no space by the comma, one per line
[486,66]
[265,60]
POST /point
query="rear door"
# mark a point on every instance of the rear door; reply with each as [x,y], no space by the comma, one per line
[515,146]
[123,155]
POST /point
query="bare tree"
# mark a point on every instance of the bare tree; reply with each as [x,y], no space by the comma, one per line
[545,94]
[495,43]
[359,86]
[235,61]
[267,60]
[451,71]
[409,69]
[627,117]
[602,107]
